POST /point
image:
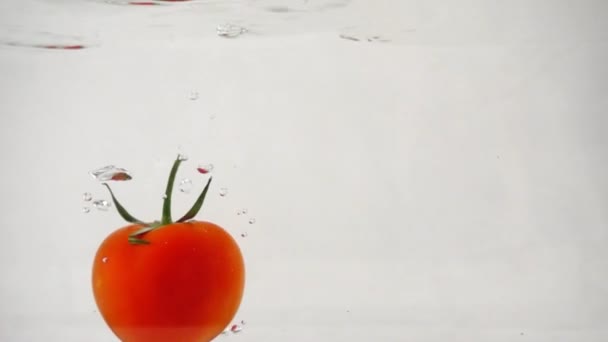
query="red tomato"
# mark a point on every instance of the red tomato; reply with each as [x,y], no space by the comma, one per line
[171,282]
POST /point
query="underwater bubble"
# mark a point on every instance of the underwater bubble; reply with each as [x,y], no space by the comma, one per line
[205,168]
[347,37]
[111,173]
[102,205]
[87,197]
[164,196]
[185,185]
[104,259]
[243,322]
[229,30]
[235,328]
[223,192]
[243,234]
[194,95]
[252,220]
[86,210]
[182,157]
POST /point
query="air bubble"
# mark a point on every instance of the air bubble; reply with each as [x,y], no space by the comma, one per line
[205,168]
[104,259]
[223,192]
[87,197]
[111,173]
[235,328]
[252,220]
[185,185]
[102,205]
[86,210]
[228,30]
[194,95]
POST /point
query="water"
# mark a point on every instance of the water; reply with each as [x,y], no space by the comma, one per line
[417,163]
[235,19]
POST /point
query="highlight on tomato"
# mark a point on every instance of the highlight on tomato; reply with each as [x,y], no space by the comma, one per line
[168,280]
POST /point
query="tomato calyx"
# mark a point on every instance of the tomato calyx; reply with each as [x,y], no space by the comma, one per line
[135,238]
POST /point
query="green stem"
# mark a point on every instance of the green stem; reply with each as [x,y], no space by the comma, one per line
[121,210]
[135,238]
[166,218]
[197,205]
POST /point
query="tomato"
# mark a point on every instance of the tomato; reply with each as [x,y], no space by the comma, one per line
[171,281]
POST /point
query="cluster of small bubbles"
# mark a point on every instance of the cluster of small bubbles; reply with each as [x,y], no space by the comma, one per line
[242,211]
[102,204]
[234,328]
[86,197]
[185,185]
[223,192]
[194,95]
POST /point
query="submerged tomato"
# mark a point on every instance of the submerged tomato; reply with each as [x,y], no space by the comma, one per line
[166,281]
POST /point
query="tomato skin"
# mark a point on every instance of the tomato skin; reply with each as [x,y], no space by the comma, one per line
[185,286]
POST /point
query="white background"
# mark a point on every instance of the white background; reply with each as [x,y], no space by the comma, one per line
[448,185]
